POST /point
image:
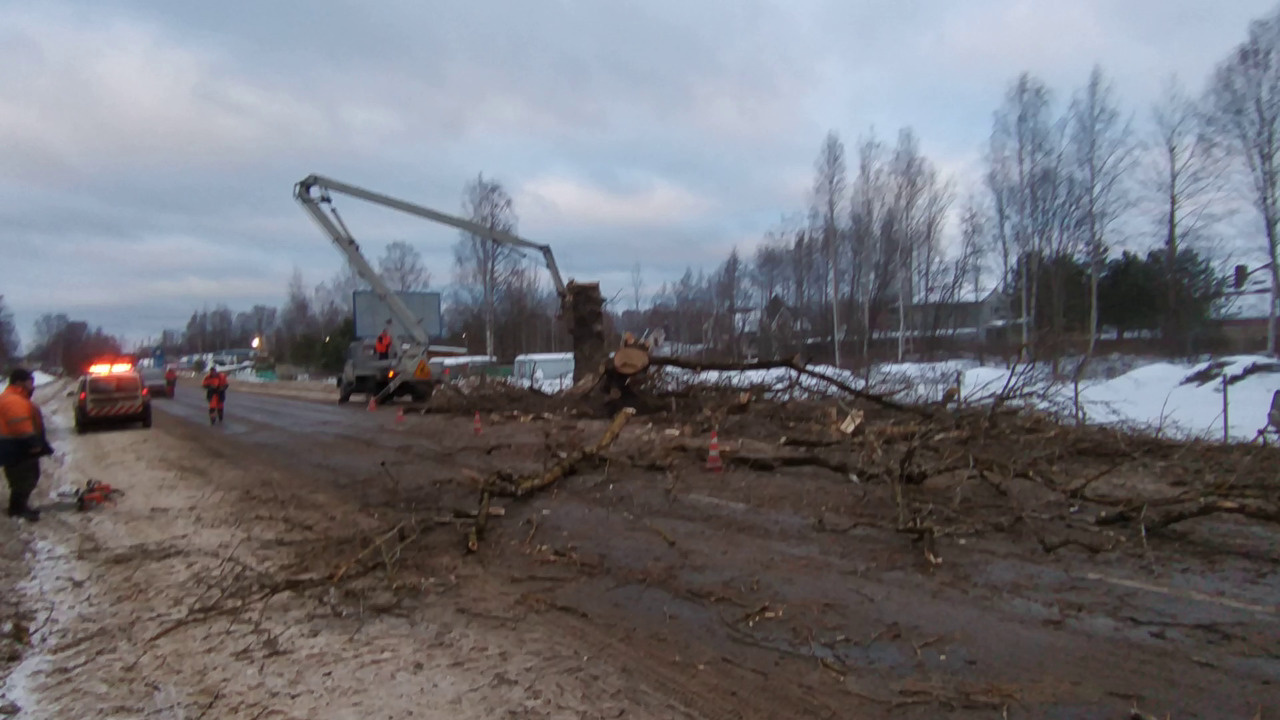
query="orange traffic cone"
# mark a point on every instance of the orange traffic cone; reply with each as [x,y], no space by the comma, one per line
[373,403]
[713,457]
[400,415]
[477,424]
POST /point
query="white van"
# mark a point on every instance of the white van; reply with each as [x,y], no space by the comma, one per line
[544,368]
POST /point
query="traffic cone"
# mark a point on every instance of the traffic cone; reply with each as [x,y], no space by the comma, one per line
[477,423]
[400,415]
[713,457]
[373,404]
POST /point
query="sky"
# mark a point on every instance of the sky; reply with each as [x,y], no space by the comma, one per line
[150,148]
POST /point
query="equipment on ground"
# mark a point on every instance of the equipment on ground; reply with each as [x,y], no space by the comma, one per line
[95,493]
[409,370]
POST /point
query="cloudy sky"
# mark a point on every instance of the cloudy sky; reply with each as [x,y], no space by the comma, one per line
[150,148]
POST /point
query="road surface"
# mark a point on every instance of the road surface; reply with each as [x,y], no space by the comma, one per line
[621,593]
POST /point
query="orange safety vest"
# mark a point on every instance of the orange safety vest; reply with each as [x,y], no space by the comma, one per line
[19,417]
[383,343]
[215,381]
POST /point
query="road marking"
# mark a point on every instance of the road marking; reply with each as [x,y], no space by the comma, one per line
[1185,594]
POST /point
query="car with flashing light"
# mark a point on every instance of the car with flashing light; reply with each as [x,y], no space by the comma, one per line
[111,393]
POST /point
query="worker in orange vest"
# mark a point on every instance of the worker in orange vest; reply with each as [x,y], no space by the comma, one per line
[170,380]
[22,442]
[383,344]
[215,389]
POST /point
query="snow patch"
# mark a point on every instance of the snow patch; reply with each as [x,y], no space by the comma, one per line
[1173,399]
[42,379]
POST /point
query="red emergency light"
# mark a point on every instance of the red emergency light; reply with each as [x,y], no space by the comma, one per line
[104,368]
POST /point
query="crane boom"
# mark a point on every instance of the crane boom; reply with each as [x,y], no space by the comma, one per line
[581,303]
[337,231]
[303,192]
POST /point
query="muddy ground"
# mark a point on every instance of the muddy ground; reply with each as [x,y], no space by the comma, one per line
[309,561]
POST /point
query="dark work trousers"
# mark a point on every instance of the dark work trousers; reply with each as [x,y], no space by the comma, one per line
[22,476]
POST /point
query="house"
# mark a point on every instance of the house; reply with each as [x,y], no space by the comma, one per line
[1243,315]
[780,330]
[973,318]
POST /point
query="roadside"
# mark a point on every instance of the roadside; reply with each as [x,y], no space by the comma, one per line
[311,390]
[205,593]
[19,617]
[307,560]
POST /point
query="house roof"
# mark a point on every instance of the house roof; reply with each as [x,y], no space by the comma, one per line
[1251,304]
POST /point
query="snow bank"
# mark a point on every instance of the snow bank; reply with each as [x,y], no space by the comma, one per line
[248,375]
[1186,400]
[1174,399]
[41,379]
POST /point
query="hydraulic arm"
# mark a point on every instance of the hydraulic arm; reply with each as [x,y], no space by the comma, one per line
[581,302]
[306,193]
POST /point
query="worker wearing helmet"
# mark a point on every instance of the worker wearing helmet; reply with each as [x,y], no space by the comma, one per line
[22,442]
[383,344]
[215,389]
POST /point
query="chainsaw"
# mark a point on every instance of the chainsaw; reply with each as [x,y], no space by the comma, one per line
[96,493]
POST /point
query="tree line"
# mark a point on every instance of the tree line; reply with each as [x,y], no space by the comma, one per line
[1087,218]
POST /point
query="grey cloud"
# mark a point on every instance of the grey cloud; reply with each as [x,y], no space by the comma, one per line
[151,147]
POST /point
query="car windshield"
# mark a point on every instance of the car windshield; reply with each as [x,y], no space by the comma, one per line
[114,384]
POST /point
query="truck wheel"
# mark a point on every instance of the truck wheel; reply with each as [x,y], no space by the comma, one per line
[423,393]
[80,424]
[344,394]
[146,419]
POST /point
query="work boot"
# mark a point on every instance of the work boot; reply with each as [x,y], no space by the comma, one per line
[18,507]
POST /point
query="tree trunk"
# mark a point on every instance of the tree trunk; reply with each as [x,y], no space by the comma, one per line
[585,312]
[490,269]
[835,314]
[1172,319]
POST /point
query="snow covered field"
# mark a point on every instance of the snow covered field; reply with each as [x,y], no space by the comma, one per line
[1174,399]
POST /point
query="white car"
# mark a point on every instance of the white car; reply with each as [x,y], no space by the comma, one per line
[111,393]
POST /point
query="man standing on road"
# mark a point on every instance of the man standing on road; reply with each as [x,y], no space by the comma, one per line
[22,442]
[215,390]
[383,344]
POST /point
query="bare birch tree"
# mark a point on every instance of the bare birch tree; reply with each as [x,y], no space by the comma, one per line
[402,269]
[1103,151]
[869,210]
[637,286]
[1244,96]
[1184,176]
[1024,155]
[480,260]
[830,189]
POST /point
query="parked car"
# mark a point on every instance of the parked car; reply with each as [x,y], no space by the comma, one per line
[111,393]
[153,380]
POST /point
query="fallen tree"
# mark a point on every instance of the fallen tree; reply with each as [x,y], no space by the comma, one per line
[501,484]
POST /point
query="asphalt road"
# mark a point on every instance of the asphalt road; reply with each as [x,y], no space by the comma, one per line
[1069,635]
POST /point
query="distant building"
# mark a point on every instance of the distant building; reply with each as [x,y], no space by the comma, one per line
[1242,316]
[975,319]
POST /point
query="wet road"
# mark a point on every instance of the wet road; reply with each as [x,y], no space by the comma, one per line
[1075,635]
[340,443]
